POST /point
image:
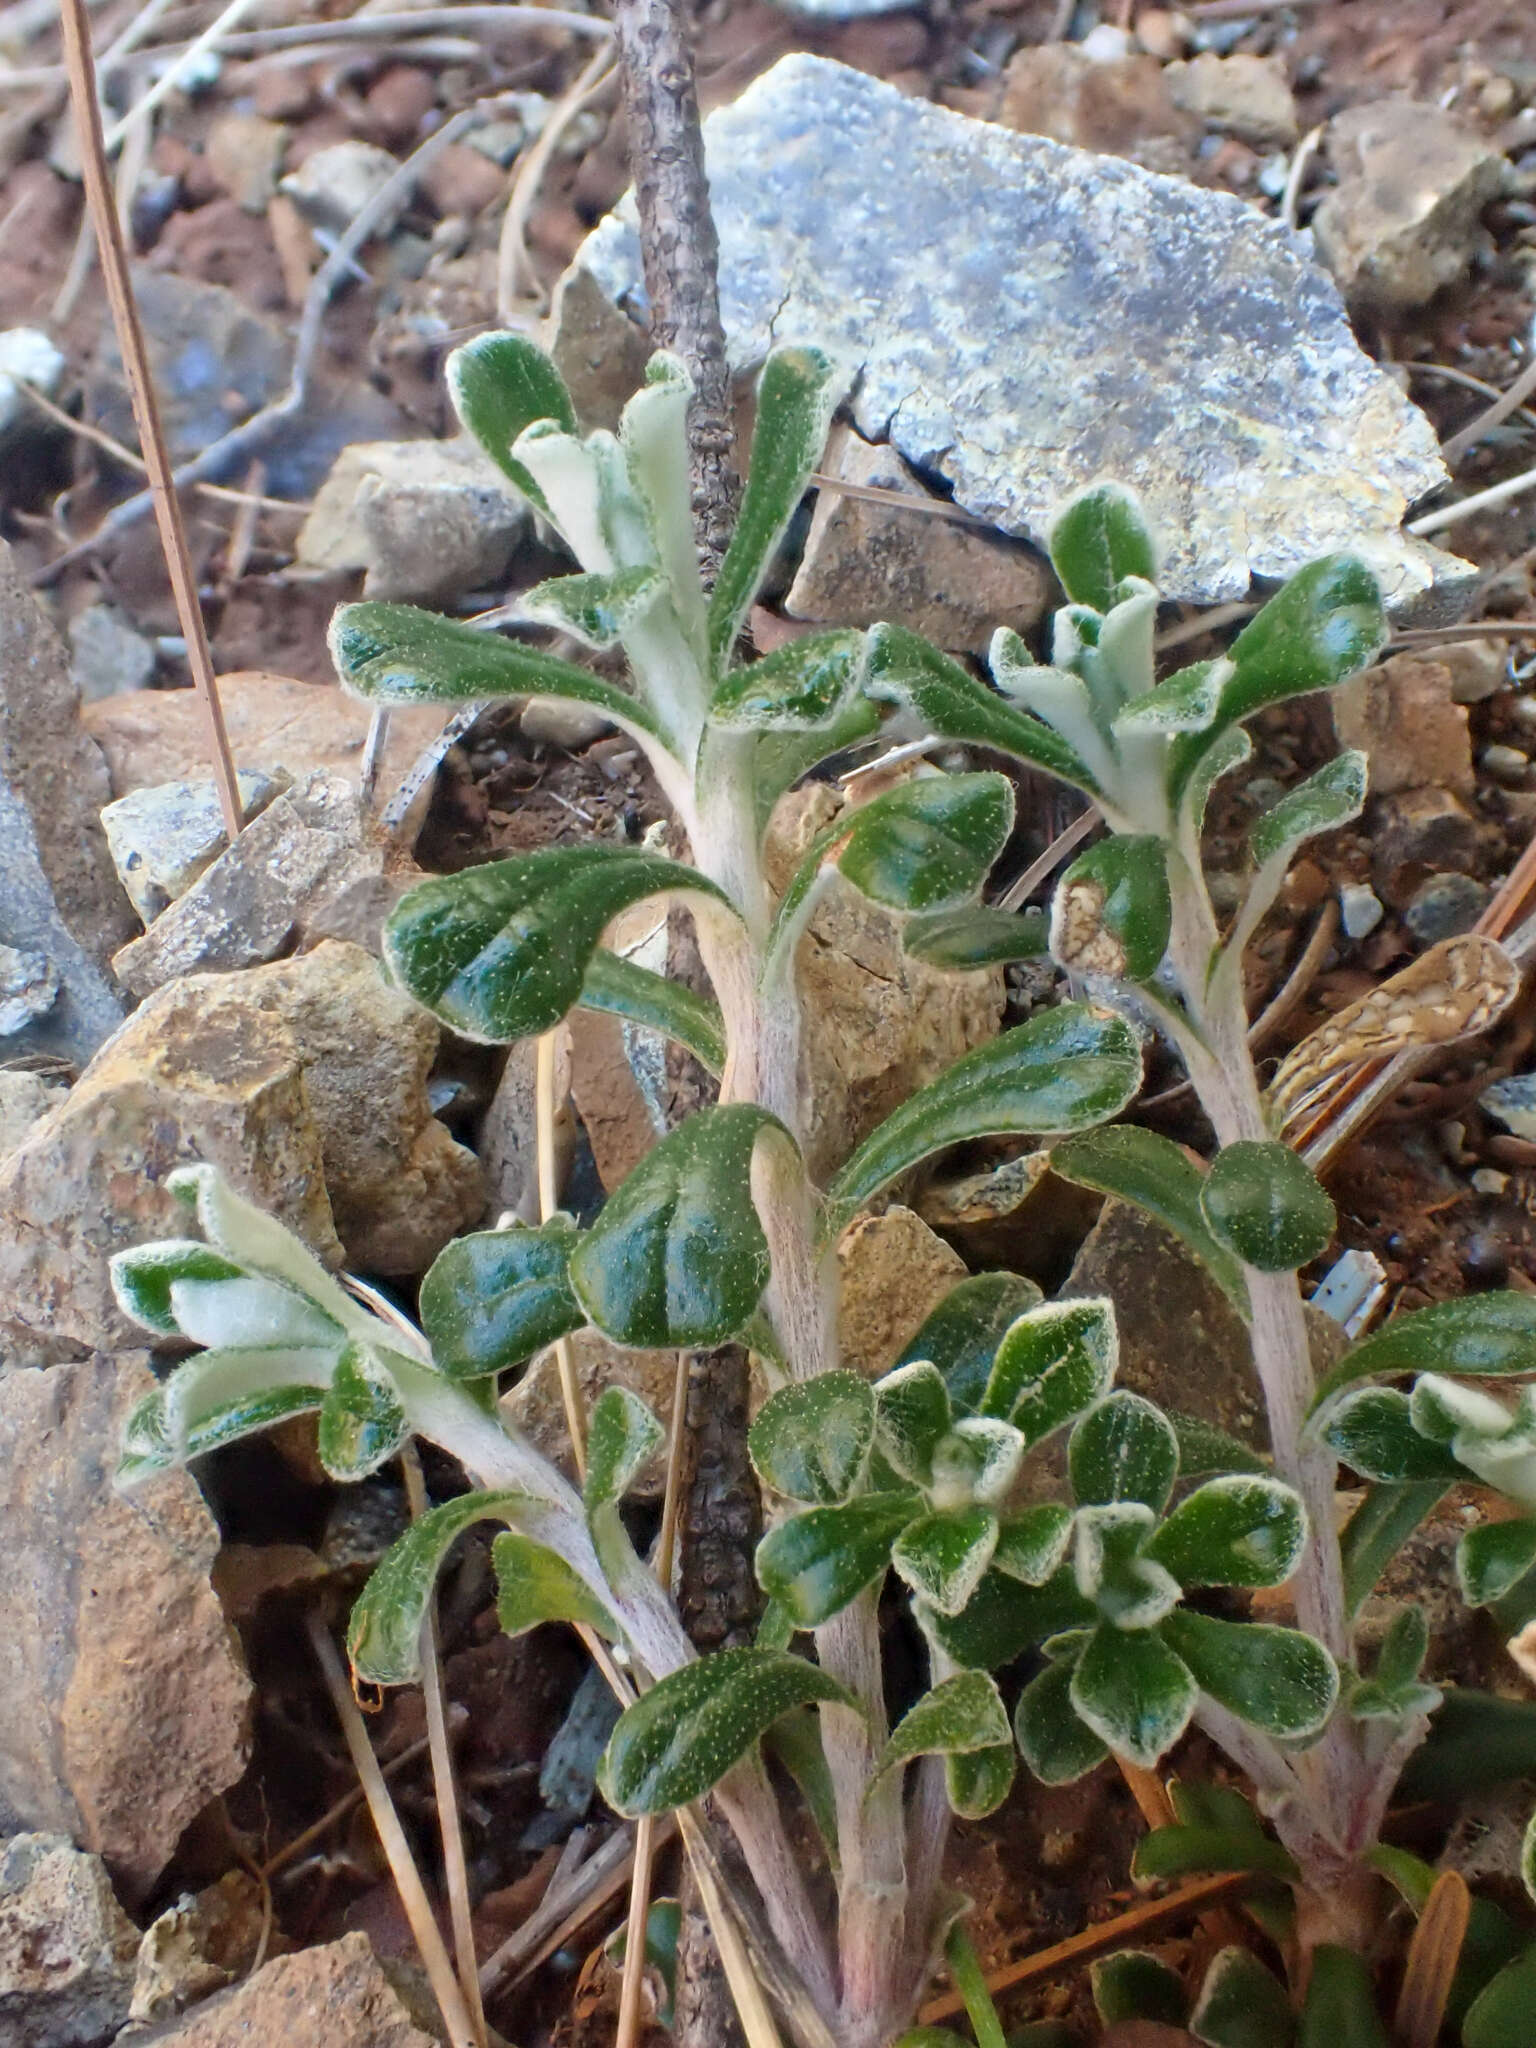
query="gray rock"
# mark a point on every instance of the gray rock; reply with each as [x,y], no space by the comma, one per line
[337,1994]
[335,184]
[1444,906]
[124,1705]
[28,353]
[66,1947]
[25,1098]
[1509,765]
[1421,832]
[840,10]
[1405,218]
[1030,317]
[106,655]
[1359,909]
[1513,1102]
[556,724]
[58,893]
[162,838]
[1478,668]
[29,988]
[426,519]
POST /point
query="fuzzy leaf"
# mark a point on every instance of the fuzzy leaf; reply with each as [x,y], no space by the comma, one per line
[1065,1069]
[796,397]
[1215,1830]
[252,1238]
[598,610]
[942,1556]
[811,1441]
[977,1461]
[1205,1448]
[494,1298]
[1242,2005]
[1133,1985]
[815,1563]
[1340,2011]
[1500,2016]
[1277,1678]
[1266,1206]
[1233,1531]
[1126,1587]
[145,1449]
[1139,1166]
[962,1334]
[1372,1431]
[1112,913]
[1032,1545]
[1476,1741]
[953,705]
[677,1259]
[1133,1692]
[1493,1558]
[1379,1528]
[1326,800]
[977,1783]
[1005,1617]
[981,936]
[144,1275]
[221,1395]
[1480,1336]
[500,952]
[1184,702]
[621,989]
[914,1413]
[384,1634]
[1098,539]
[622,1437]
[1326,623]
[1058,1746]
[1394,1690]
[397,654]
[362,1423]
[961,1716]
[801,687]
[681,1738]
[1052,1364]
[534,1584]
[500,384]
[1124,1450]
[781,758]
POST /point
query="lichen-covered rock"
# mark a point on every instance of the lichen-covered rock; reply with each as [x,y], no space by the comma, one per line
[1029,318]
[337,1995]
[161,839]
[66,1947]
[304,1082]
[124,1704]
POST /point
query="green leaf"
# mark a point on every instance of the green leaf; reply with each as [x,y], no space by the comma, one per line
[221,1395]
[1480,1336]
[384,1634]
[803,686]
[1127,1588]
[815,1563]
[1099,538]
[682,1737]
[1133,1985]
[1267,1206]
[501,951]
[145,1449]
[1492,1938]
[1065,1069]
[962,1334]
[1133,1692]
[1372,1431]
[977,1461]
[978,1783]
[1493,1558]
[962,1718]
[362,1423]
[1005,1617]
[942,1556]
[598,610]
[1205,1448]
[253,1239]
[982,936]
[677,1259]
[1276,1678]
[534,1584]
[812,1441]
[1052,1364]
[1326,623]
[499,385]
[1158,1176]
[795,1742]
[1340,2011]
[397,654]
[1213,1833]
[1393,1692]
[1500,2016]
[797,395]
[1242,2005]
[621,989]
[914,1416]
[1112,913]
[1233,1531]
[953,705]
[1326,800]
[1202,762]
[1476,1741]
[144,1276]
[1032,1545]
[1379,1528]
[622,1437]
[1058,1747]
[1124,1450]
[493,1299]
[1186,701]
[781,758]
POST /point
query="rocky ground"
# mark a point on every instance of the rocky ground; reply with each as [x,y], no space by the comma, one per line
[185,1856]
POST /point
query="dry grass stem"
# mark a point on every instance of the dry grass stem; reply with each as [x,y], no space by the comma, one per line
[1503,407]
[549,1202]
[512,265]
[1433,1955]
[318,1830]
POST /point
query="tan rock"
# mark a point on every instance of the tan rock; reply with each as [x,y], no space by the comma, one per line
[199,1945]
[66,1946]
[25,1098]
[894,1273]
[124,1704]
[1477,668]
[949,582]
[1402,716]
[1016,1215]
[884,1025]
[1121,107]
[245,154]
[1419,833]
[157,736]
[304,1082]
[1241,95]
[537,1407]
[600,354]
[615,1113]
[337,1994]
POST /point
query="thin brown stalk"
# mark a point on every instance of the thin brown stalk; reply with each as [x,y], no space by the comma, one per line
[413,1895]
[318,1830]
[130,340]
[1503,407]
[98,438]
[902,501]
[1433,1955]
[443,1776]
[1467,508]
[549,1202]
[513,270]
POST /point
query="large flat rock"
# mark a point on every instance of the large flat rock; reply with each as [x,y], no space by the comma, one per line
[1030,317]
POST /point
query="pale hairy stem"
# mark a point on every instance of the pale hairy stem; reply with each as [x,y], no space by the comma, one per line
[929,1819]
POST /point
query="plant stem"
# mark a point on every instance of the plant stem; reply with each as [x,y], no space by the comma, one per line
[971,1984]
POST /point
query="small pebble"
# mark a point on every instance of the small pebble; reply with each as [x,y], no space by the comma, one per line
[1506,764]
[1489,1181]
[1485,1260]
[1360,909]
[1444,906]
[1523,710]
